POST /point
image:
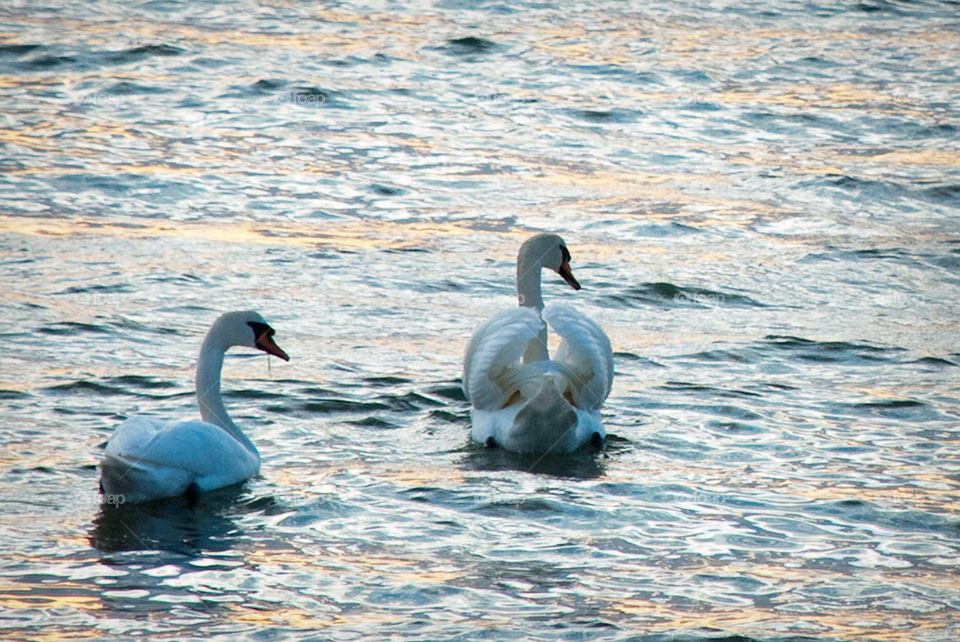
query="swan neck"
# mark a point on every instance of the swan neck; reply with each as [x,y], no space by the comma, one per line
[528,282]
[212,410]
[537,348]
[530,296]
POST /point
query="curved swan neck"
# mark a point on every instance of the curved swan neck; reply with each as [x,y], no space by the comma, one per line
[209,366]
[530,296]
[528,282]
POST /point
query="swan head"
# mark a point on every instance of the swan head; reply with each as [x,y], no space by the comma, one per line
[247,328]
[549,251]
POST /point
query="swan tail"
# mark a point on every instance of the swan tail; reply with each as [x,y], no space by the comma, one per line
[136,480]
[546,422]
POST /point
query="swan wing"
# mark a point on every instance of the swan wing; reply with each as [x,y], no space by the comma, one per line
[584,354]
[134,435]
[493,362]
[147,458]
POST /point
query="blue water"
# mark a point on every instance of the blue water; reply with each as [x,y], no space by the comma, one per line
[762,204]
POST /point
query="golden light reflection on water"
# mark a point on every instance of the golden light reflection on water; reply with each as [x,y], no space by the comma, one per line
[367,234]
[350,235]
[925,157]
[649,615]
[569,43]
[647,197]
[165,32]
[63,594]
[379,568]
[292,617]
[900,496]
[931,492]
[658,617]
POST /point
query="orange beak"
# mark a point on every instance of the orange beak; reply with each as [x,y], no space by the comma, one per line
[567,275]
[265,342]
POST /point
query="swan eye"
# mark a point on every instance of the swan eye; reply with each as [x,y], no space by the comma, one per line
[260,329]
[565,253]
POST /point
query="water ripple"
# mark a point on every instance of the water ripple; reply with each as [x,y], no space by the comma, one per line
[760,202]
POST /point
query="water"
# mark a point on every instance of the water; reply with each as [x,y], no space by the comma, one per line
[761,202]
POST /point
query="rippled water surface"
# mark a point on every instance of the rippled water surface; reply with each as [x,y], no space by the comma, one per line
[761,201]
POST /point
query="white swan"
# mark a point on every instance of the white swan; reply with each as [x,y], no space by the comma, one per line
[148,458]
[522,400]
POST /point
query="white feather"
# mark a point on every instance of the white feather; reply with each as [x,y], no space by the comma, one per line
[537,404]
[585,351]
[149,458]
[494,356]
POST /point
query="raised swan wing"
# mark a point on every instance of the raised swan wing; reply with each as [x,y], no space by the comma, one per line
[494,357]
[585,352]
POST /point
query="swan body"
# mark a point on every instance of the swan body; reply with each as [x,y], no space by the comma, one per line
[522,399]
[149,458]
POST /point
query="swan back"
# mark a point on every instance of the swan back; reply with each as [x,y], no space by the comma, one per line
[149,458]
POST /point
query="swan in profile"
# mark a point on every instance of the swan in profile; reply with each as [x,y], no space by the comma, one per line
[521,399]
[149,458]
